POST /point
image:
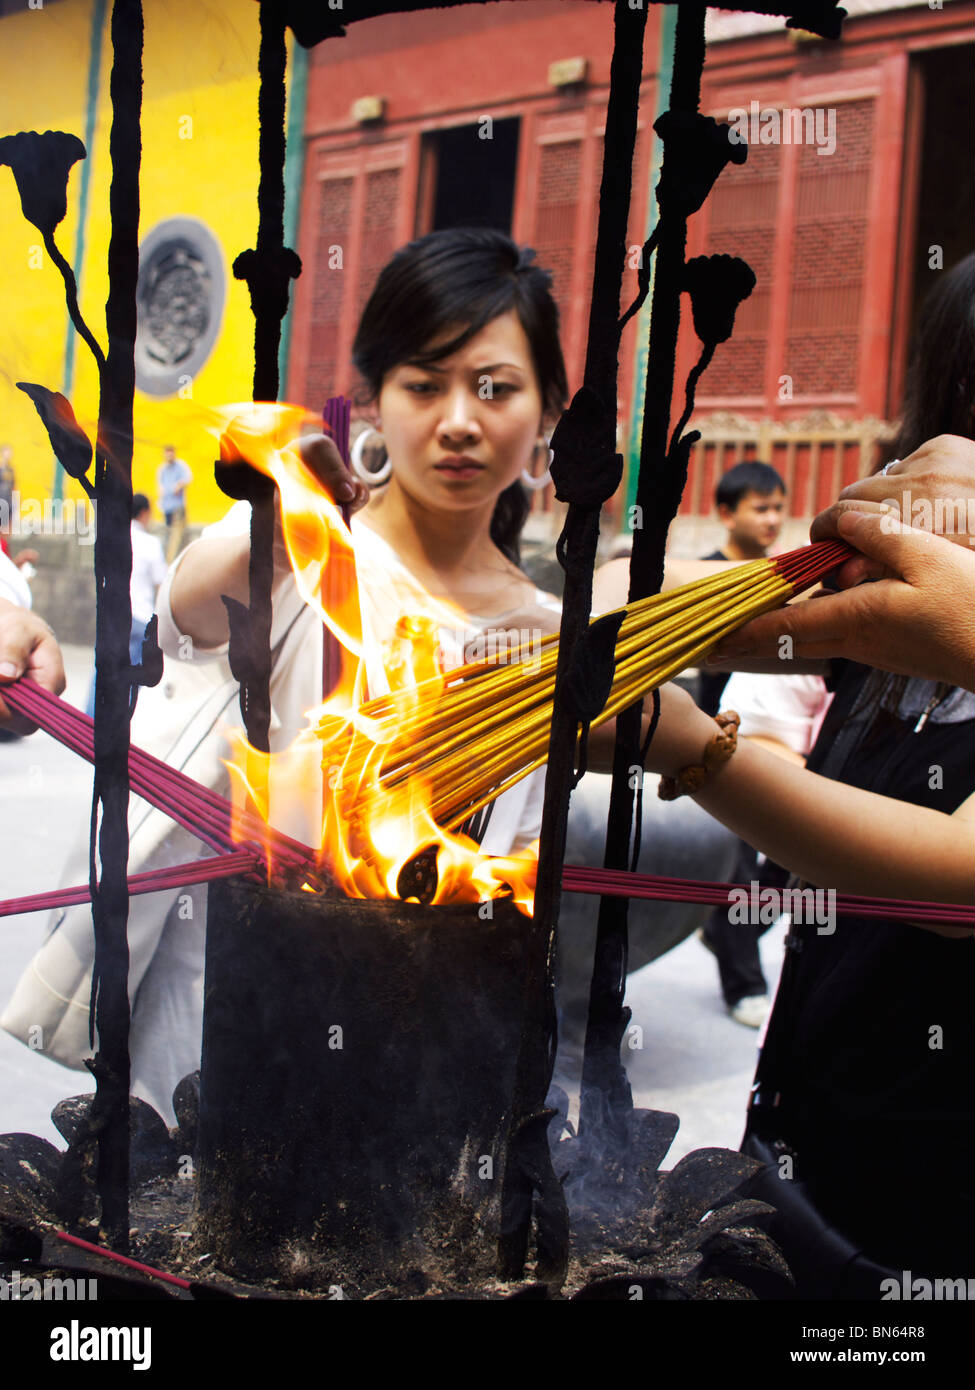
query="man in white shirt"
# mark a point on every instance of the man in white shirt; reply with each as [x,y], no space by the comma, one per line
[14,589]
[148,572]
[784,714]
[173,478]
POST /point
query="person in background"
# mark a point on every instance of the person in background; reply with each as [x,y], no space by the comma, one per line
[750,501]
[173,478]
[8,482]
[782,714]
[149,569]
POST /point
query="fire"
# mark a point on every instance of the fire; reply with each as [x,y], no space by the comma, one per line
[377,836]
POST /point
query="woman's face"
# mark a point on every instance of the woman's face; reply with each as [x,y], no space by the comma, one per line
[458,432]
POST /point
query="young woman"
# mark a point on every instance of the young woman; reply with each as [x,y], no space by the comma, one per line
[458,346]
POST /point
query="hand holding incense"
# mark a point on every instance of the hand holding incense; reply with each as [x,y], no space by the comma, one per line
[901,624]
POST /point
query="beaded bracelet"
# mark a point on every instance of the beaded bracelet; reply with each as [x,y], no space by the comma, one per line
[692,778]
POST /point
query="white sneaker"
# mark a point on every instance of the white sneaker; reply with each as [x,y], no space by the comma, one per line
[752,1011]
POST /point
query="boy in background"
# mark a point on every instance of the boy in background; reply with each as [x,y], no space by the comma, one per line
[750,500]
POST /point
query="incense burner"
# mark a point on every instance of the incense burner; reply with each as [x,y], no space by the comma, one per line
[356,1085]
[353,1127]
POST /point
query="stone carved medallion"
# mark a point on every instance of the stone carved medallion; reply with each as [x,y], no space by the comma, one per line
[180,299]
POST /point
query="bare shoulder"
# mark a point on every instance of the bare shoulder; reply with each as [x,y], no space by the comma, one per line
[610,586]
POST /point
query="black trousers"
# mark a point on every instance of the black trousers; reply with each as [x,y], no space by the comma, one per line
[735,944]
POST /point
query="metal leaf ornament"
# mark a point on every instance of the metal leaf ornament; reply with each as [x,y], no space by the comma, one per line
[268,275]
[717,285]
[696,149]
[72,447]
[823,17]
[41,164]
[240,652]
[586,470]
[309,20]
[589,678]
[149,671]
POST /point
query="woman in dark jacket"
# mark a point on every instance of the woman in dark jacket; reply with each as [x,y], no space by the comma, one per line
[863,1095]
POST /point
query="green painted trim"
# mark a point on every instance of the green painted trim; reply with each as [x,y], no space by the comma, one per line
[98,11]
[294,168]
[665,65]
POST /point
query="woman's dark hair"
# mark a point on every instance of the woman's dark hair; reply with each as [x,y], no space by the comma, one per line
[939,396]
[462,277]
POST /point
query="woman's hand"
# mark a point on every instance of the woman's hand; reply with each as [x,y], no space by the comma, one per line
[920,624]
[214,566]
[319,454]
[933,489]
[27,647]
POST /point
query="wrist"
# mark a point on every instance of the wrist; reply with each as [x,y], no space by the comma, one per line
[719,747]
[687,744]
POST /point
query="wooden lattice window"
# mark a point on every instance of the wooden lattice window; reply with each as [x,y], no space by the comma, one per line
[556,206]
[377,235]
[328,287]
[829,253]
[742,222]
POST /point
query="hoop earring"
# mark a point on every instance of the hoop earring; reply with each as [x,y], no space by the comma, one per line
[382,475]
[534,484]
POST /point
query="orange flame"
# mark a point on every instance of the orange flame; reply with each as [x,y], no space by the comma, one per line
[325,787]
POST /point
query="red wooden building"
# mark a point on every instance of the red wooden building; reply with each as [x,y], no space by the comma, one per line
[495,113]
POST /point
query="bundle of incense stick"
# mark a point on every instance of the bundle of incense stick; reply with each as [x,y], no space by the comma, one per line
[208,815]
[577,878]
[337,418]
[473,734]
[198,809]
[248,861]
